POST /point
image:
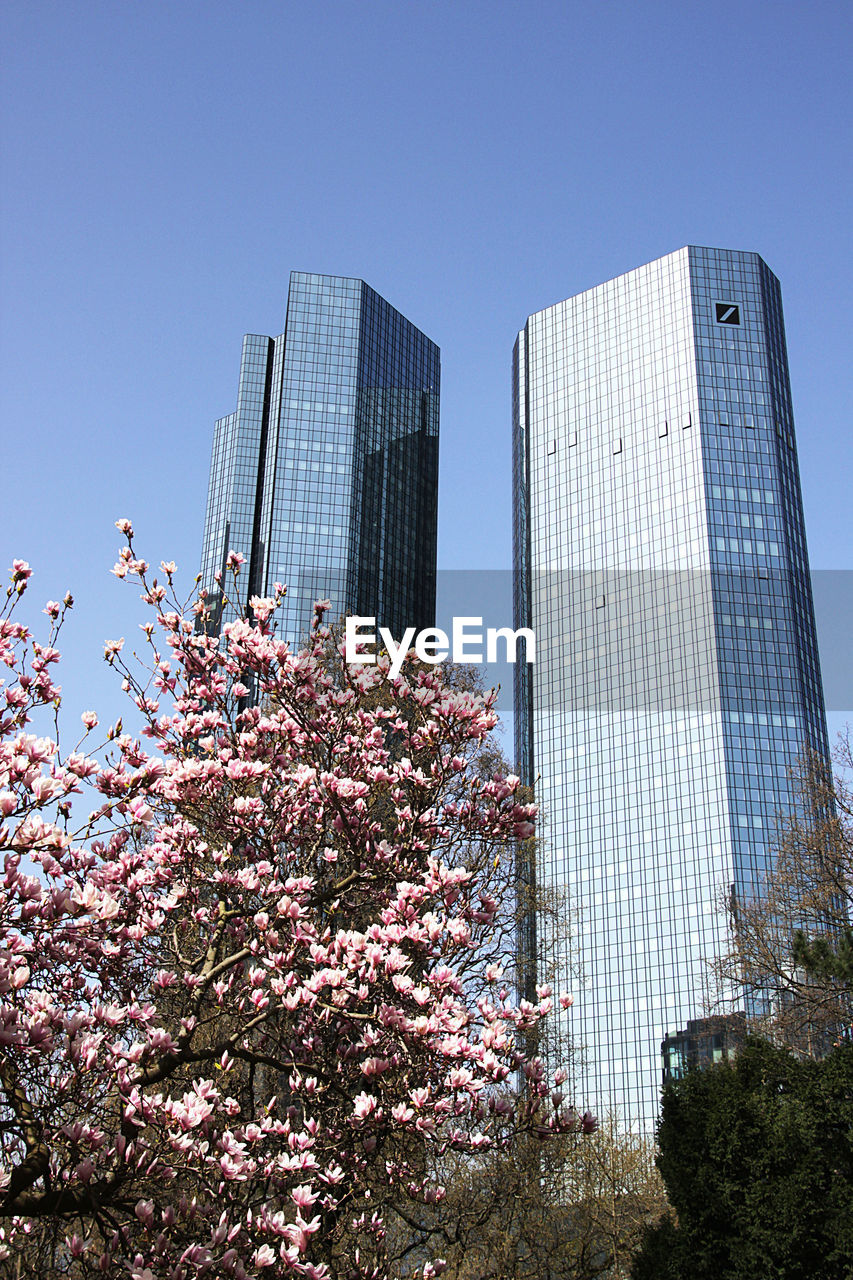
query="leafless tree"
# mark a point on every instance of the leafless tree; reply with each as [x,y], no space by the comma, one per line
[788,964]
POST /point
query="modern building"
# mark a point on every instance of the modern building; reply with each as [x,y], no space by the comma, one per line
[661,561]
[704,1042]
[325,477]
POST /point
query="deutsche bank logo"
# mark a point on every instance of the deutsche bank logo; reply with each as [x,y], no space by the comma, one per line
[727,312]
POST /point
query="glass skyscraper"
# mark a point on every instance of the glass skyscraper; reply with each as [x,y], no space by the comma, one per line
[661,560]
[326,476]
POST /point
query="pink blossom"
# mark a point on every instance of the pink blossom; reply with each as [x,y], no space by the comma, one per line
[303,1196]
[363,1105]
[287,889]
[145,1211]
[77,1246]
[141,812]
[262,606]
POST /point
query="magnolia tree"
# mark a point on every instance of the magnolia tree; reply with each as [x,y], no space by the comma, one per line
[249,1002]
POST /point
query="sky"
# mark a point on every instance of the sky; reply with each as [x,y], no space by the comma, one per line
[166,165]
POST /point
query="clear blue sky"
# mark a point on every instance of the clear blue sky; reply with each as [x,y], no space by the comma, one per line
[165,165]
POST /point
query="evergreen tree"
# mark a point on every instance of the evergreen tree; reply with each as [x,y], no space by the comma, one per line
[757,1159]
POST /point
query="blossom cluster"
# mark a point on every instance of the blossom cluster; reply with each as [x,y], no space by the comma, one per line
[242,1013]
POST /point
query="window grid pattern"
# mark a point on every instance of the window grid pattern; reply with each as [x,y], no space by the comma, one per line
[666,623]
[326,476]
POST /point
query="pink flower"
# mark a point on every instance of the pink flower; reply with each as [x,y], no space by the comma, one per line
[145,1211]
[262,606]
[141,812]
[303,1196]
[374,1066]
[291,883]
[364,1105]
[125,527]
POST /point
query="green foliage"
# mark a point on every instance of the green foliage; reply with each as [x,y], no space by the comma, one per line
[822,960]
[757,1160]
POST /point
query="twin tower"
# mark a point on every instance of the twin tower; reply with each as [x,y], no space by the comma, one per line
[659,558]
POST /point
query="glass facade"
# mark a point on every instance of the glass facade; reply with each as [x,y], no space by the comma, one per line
[661,560]
[326,476]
